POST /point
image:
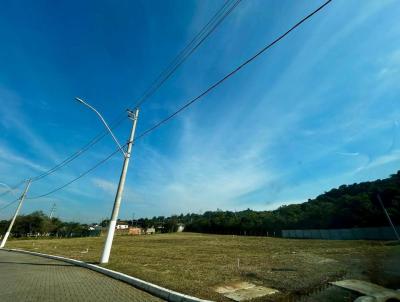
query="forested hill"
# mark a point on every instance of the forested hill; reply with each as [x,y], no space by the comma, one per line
[353,205]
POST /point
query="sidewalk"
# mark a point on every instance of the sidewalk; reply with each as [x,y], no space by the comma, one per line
[31,278]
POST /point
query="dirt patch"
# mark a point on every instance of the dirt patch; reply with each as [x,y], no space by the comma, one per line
[245,291]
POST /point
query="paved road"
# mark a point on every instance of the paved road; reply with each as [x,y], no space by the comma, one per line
[31,278]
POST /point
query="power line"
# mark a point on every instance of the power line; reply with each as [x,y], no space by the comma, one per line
[76,154]
[216,20]
[233,71]
[9,204]
[207,30]
[204,33]
[80,176]
[192,101]
[12,188]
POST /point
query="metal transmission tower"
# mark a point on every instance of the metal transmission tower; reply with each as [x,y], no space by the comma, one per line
[21,200]
[53,209]
[132,115]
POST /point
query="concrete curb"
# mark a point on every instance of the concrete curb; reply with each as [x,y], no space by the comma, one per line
[151,288]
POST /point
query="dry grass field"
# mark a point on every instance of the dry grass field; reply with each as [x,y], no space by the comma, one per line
[196,264]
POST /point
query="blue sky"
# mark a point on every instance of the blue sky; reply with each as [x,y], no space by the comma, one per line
[319,109]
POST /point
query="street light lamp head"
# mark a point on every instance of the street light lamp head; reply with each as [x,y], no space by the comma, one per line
[79,100]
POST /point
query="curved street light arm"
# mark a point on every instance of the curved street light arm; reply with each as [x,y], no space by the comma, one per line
[104,122]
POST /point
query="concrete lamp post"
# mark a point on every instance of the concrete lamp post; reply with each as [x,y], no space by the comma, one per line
[133,115]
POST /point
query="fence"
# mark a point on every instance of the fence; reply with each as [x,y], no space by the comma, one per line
[379,233]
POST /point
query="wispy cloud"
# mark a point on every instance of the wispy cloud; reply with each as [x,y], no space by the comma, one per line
[381,161]
[105,185]
[390,66]
[349,153]
[205,173]
[246,151]
[13,118]
[11,157]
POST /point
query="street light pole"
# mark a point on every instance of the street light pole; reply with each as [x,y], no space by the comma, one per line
[21,200]
[127,154]
[117,202]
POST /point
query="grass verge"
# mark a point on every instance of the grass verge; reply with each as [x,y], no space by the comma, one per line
[196,264]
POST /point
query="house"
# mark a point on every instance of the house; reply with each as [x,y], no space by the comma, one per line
[122,226]
[135,231]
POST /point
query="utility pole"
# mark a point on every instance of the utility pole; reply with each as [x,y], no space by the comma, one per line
[388,217]
[21,200]
[117,202]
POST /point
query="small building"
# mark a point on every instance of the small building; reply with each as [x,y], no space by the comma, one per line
[122,226]
[135,231]
[150,231]
[181,227]
[94,227]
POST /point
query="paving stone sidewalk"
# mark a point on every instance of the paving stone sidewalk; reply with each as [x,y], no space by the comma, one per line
[31,278]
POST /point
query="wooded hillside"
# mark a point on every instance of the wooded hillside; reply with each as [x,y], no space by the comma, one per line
[348,206]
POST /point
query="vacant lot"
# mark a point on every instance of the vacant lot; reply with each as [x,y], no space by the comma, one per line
[196,263]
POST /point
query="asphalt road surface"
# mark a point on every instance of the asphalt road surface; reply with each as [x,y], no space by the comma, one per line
[32,278]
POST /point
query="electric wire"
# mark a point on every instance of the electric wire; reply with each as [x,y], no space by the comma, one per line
[192,101]
[9,190]
[9,204]
[207,30]
[80,175]
[219,82]
[204,33]
[75,155]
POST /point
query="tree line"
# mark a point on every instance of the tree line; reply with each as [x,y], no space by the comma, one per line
[39,224]
[347,206]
